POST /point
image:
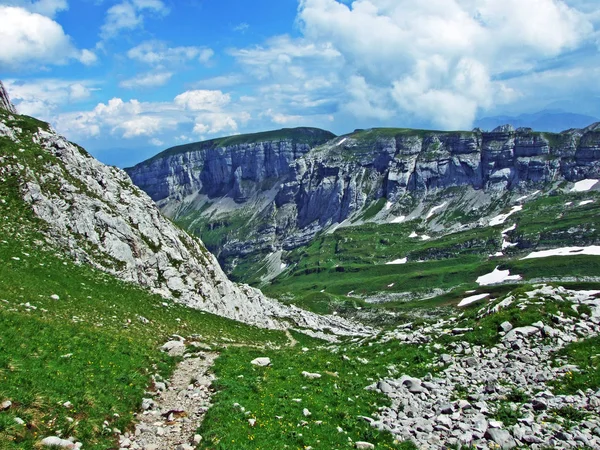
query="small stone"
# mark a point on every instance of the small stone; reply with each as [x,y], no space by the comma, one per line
[197,439]
[364,445]
[262,362]
[312,376]
[506,326]
[19,421]
[147,403]
[55,297]
[306,412]
[5,405]
[251,422]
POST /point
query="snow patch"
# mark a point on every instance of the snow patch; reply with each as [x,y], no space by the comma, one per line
[593,250]
[497,276]
[425,237]
[398,219]
[508,230]
[435,209]
[586,202]
[413,235]
[584,185]
[520,199]
[388,205]
[398,261]
[499,220]
[342,141]
[472,299]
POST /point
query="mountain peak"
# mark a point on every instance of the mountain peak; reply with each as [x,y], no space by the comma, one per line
[5,102]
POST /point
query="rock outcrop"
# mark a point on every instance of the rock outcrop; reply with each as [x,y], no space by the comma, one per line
[96,214]
[341,179]
[5,102]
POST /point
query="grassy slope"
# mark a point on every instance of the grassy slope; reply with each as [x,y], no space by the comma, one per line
[337,399]
[353,259]
[89,347]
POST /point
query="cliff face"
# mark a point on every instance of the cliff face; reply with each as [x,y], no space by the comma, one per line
[239,169]
[5,102]
[285,193]
[97,215]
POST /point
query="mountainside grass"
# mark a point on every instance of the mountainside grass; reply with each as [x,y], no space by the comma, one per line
[77,346]
[293,411]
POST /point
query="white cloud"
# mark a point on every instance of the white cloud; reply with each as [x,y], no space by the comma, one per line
[28,38]
[438,63]
[159,53]
[44,7]
[43,98]
[147,80]
[202,100]
[199,112]
[129,15]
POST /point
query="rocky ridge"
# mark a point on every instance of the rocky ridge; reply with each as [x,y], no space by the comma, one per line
[5,102]
[96,214]
[337,182]
[459,406]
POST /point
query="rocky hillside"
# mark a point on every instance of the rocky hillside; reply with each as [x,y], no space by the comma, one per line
[95,213]
[379,175]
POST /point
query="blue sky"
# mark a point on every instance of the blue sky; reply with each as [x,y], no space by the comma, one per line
[129,78]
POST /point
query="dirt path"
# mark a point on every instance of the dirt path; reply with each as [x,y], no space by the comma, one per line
[170,419]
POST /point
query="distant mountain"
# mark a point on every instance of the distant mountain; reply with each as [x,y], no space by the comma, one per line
[548,120]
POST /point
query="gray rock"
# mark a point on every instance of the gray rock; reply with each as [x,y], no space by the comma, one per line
[364,445]
[54,441]
[174,348]
[263,362]
[506,326]
[501,437]
[5,405]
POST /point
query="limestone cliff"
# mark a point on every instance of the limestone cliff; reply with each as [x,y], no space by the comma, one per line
[5,102]
[255,203]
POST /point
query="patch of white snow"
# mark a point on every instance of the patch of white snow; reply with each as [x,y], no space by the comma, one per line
[425,237]
[388,205]
[586,202]
[413,235]
[497,276]
[593,250]
[584,185]
[499,220]
[435,209]
[472,299]
[398,219]
[398,261]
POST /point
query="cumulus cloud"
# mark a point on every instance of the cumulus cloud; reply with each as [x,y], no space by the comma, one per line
[45,7]
[202,100]
[129,15]
[147,80]
[28,38]
[44,97]
[199,112]
[436,63]
[157,53]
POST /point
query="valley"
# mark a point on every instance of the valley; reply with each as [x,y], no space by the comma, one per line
[418,308]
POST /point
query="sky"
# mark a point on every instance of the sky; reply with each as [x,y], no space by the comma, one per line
[129,78]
